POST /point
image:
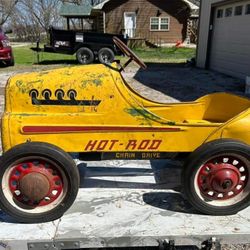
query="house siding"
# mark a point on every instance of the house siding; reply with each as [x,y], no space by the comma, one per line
[177,11]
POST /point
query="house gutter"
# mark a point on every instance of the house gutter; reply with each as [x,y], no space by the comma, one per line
[191,5]
[100,5]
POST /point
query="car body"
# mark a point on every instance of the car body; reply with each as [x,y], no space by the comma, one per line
[92,111]
[6,53]
[77,103]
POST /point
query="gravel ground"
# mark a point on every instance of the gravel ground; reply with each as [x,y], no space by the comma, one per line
[170,83]
[167,82]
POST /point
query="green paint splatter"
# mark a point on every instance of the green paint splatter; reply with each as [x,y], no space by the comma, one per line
[38,81]
[141,112]
[31,114]
[93,75]
[42,73]
[96,82]
[24,87]
[95,79]
[145,117]
[171,123]
[19,83]
[67,72]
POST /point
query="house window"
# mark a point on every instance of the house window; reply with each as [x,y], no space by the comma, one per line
[229,12]
[159,23]
[248,9]
[238,10]
[220,13]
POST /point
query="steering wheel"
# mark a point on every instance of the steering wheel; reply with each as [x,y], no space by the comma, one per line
[129,53]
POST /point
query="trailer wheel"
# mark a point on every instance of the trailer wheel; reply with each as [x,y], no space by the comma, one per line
[216,177]
[106,55]
[85,56]
[39,182]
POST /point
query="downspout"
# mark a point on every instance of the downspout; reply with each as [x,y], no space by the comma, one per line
[210,36]
[104,22]
[188,38]
[198,33]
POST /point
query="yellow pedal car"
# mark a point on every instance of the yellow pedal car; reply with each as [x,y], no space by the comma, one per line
[91,110]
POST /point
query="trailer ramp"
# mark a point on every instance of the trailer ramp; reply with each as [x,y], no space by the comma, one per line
[128,204]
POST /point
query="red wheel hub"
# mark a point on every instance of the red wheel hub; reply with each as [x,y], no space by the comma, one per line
[222,178]
[35,182]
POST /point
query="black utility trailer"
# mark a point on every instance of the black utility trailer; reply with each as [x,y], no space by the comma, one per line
[88,46]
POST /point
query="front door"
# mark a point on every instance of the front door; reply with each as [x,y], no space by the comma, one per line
[130,24]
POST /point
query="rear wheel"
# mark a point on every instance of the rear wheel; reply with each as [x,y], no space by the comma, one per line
[216,177]
[85,56]
[39,182]
[106,55]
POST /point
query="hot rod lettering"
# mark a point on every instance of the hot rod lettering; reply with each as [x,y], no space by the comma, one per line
[143,145]
[101,145]
[108,145]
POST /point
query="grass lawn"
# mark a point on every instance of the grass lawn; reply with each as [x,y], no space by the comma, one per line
[173,54]
[25,58]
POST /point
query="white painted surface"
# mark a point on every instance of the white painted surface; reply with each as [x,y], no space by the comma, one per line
[205,13]
[230,51]
[130,23]
[230,43]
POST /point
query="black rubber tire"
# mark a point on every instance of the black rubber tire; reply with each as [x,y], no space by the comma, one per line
[201,156]
[10,63]
[54,154]
[85,56]
[106,56]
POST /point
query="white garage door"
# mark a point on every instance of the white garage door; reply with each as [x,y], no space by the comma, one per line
[230,48]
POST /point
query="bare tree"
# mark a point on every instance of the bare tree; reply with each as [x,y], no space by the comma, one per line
[41,12]
[6,9]
[25,28]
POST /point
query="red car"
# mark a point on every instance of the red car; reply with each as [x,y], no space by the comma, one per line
[6,54]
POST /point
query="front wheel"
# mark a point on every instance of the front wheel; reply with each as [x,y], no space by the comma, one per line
[39,182]
[216,177]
